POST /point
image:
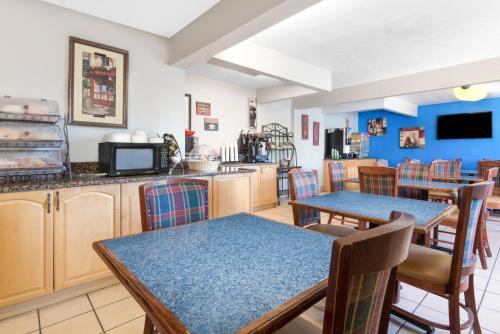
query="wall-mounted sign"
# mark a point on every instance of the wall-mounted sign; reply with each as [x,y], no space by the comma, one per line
[305,127]
[211,124]
[203,108]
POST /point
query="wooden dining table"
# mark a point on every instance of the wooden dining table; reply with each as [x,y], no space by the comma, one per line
[239,273]
[376,209]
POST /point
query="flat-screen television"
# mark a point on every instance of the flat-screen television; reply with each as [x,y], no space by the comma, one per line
[465,126]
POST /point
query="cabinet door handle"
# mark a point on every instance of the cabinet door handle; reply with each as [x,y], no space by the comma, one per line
[58,201]
[49,203]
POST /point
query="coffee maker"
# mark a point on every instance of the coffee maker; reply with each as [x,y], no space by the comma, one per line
[253,146]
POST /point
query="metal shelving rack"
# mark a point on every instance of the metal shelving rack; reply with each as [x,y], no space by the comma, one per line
[281,150]
[59,145]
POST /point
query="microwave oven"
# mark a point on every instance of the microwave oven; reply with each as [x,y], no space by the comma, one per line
[118,159]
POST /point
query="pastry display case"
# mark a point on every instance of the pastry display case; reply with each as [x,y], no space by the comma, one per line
[33,139]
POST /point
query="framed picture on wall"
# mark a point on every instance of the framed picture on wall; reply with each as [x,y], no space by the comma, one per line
[377,126]
[315,133]
[187,100]
[211,124]
[252,112]
[413,137]
[305,127]
[98,77]
[203,108]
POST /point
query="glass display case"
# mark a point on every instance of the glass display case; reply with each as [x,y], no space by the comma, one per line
[33,138]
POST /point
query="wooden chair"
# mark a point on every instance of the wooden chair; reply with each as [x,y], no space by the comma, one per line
[418,172]
[378,180]
[173,202]
[494,200]
[361,280]
[304,184]
[445,169]
[482,247]
[449,275]
[337,183]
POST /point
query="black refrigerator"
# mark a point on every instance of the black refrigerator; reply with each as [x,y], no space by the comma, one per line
[339,139]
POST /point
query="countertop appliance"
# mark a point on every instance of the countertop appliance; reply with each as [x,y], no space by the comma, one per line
[338,139]
[119,159]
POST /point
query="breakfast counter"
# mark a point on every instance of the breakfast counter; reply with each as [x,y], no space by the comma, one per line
[82,180]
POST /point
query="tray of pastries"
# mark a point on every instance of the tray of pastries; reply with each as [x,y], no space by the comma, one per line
[25,135]
[31,110]
[30,162]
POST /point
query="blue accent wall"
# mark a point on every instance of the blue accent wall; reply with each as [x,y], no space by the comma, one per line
[470,150]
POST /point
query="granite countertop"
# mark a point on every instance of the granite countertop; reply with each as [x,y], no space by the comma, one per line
[81,180]
[222,274]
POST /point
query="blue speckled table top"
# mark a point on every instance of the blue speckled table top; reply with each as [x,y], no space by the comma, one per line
[376,207]
[430,185]
[219,275]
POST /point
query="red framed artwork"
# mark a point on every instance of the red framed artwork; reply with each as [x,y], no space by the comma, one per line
[315,133]
[305,127]
[203,108]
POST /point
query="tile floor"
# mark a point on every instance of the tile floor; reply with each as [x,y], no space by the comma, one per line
[112,310]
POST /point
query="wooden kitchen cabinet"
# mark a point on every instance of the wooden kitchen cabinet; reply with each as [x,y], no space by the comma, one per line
[26,266]
[130,213]
[231,194]
[268,184]
[81,216]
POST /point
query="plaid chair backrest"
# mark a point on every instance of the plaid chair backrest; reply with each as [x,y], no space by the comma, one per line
[364,302]
[475,210]
[379,184]
[418,172]
[305,185]
[173,204]
[447,168]
[336,172]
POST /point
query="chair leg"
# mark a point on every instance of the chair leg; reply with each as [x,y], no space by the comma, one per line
[435,235]
[470,301]
[486,242]
[454,313]
[343,220]
[330,218]
[149,328]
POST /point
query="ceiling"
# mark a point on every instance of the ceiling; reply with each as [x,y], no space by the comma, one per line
[160,17]
[361,41]
[232,76]
[446,95]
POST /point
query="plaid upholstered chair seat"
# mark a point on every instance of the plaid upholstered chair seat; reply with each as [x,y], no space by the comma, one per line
[336,174]
[378,180]
[450,275]
[174,203]
[304,184]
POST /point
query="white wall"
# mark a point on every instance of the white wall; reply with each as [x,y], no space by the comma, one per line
[309,156]
[34,63]
[337,120]
[276,112]
[229,103]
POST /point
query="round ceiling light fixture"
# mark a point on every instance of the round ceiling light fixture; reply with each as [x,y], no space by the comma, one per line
[471,92]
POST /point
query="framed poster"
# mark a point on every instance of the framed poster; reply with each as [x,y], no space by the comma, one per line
[187,100]
[413,137]
[377,126]
[211,124]
[203,108]
[98,83]
[305,127]
[252,112]
[315,133]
